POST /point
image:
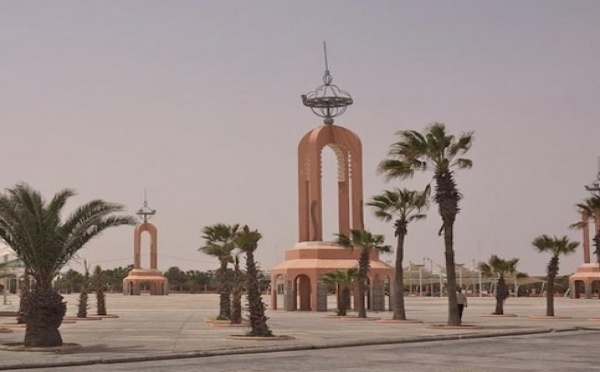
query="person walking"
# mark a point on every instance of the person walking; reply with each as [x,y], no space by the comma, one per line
[461,300]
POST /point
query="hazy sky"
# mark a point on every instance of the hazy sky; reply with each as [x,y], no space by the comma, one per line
[199,103]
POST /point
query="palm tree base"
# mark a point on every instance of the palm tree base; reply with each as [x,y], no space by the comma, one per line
[262,338]
[80,318]
[447,327]
[358,318]
[549,317]
[20,346]
[107,316]
[44,313]
[399,321]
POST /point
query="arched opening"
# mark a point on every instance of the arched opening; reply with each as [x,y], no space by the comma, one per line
[278,291]
[595,290]
[145,248]
[302,293]
[579,288]
[329,193]
[387,287]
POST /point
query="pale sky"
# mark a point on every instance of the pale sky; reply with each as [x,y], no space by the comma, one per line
[198,102]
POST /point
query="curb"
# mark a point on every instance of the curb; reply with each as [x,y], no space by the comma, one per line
[282,348]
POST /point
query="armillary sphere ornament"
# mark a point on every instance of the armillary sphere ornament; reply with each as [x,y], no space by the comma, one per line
[145,212]
[327,101]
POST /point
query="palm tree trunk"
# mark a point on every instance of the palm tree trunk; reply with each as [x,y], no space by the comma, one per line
[100,302]
[258,320]
[363,270]
[44,314]
[500,296]
[344,301]
[399,308]
[453,317]
[236,295]
[552,271]
[224,293]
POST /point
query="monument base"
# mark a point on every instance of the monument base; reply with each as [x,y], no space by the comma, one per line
[298,276]
[588,277]
[158,284]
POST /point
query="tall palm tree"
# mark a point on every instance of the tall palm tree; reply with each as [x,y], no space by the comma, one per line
[498,267]
[219,242]
[247,241]
[590,208]
[342,280]
[439,152]
[556,247]
[367,243]
[404,206]
[237,289]
[33,228]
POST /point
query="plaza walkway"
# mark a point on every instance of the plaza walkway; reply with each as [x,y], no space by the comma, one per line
[152,328]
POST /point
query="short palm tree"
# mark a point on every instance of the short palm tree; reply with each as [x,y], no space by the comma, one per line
[441,153]
[247,241]
[33,228]
[404,206]
[498,267]
[99,288]
[219,242]
[556,247]
[341,280]
[367,243]
[83,295]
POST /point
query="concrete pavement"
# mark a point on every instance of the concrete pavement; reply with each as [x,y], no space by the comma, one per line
[153,328]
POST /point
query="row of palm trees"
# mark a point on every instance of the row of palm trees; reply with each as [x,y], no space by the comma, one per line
[220,241]
[442,154]
[32,226]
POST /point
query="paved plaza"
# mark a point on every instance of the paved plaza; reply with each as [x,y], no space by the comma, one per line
[156,327]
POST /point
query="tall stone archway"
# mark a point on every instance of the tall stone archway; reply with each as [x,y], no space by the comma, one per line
[138,276]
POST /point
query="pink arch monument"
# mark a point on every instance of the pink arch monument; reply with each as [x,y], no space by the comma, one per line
[158,284]
[298,276]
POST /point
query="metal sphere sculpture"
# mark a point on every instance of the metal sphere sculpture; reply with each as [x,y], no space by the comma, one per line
[328,100]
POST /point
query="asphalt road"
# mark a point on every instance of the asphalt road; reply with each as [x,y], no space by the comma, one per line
[559,351]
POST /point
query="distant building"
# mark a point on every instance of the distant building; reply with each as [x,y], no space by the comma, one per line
[11,269]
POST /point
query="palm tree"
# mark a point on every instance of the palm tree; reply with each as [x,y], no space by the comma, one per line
[218,242]
[368,243]
[236,292]
[590,208]
[83,295]
[99,288]
[556,247]
[247,241]
[498,267]
[341,280]
[439,152]
[405,206]
[32,227]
